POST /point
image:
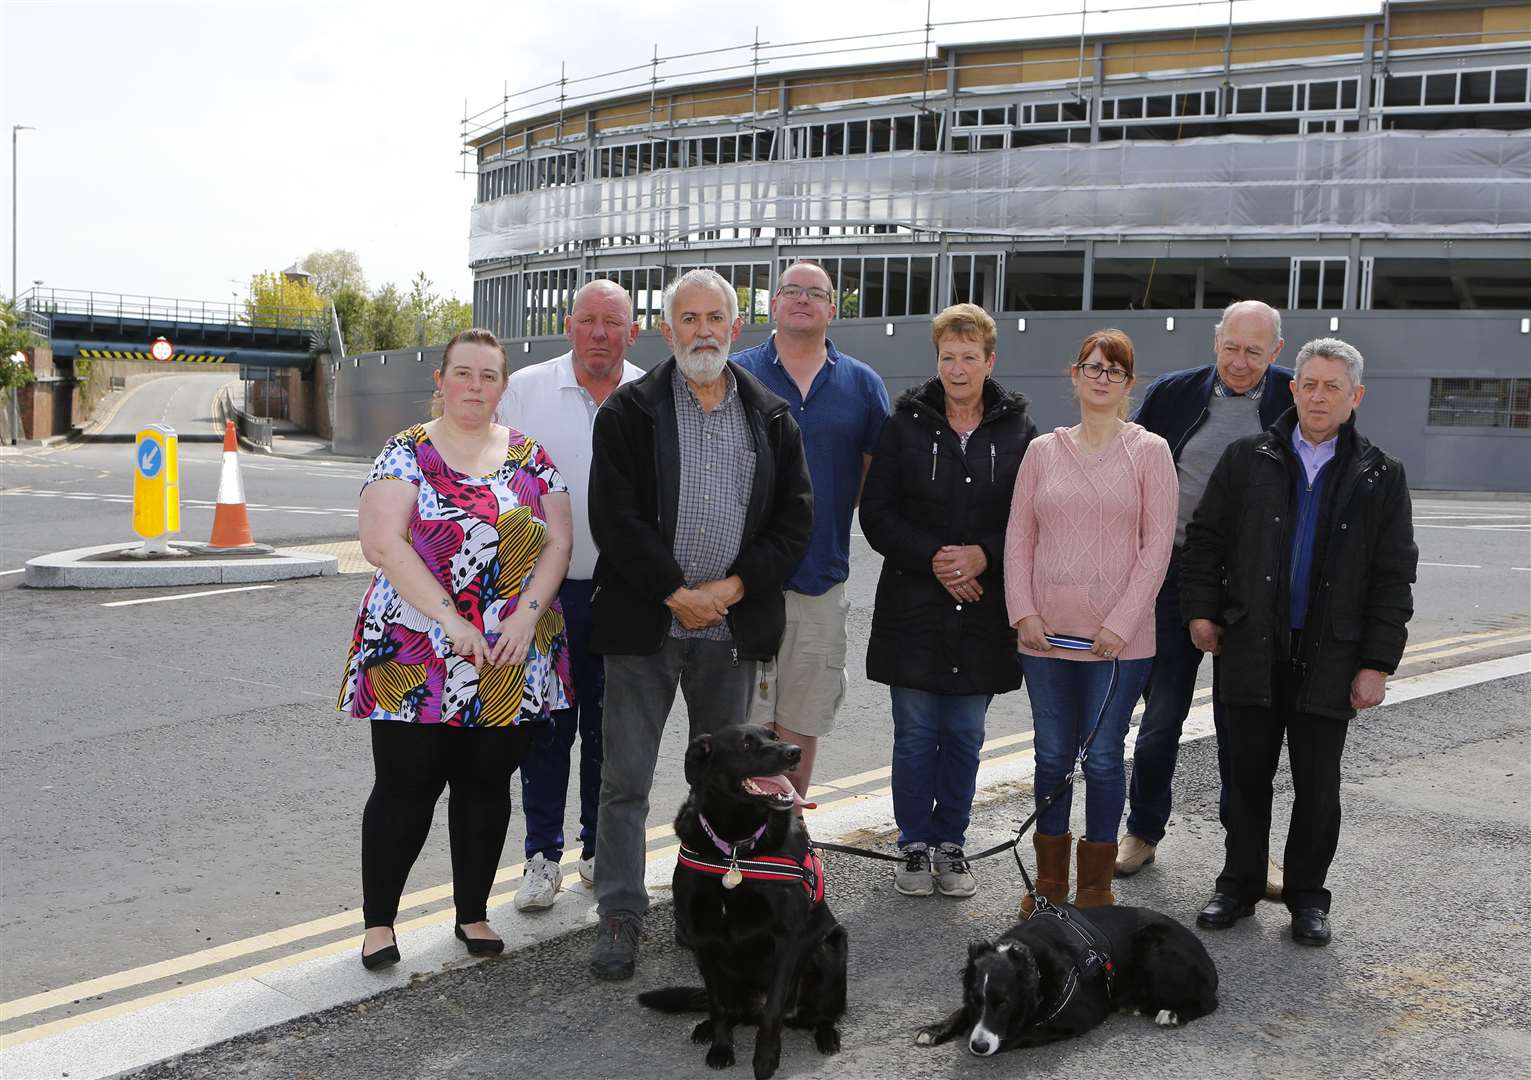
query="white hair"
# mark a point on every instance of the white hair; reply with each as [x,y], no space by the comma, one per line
[700,276]
[1334,349]
[1254,306]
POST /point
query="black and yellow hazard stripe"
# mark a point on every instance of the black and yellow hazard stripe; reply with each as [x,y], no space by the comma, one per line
[119,354]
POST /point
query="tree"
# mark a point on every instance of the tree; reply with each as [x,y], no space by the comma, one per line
[333,271]
[14,338]
[276,300]
[352,308]
[390,324]
[452,317]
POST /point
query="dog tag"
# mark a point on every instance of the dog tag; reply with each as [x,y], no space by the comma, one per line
[732,878]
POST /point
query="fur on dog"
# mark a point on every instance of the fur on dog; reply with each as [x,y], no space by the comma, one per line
[1025,989]
[768,952]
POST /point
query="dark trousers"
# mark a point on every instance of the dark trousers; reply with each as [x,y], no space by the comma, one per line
[545,774]
[1166,701]
[1314,747]
[413,763]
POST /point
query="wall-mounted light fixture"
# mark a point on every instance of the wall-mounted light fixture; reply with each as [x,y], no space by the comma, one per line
[526,346]
[1020,325]
[1169,323]
[888,329]
[1525,326]
[1334,323]
[419,356]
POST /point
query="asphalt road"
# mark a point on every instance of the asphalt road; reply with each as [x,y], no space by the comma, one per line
[1426,976]
[175,778]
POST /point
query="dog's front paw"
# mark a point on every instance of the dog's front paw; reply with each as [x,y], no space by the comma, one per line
[702,1033]
[767,1058]
[1167,1018]
[926,1036]
[827,1038]
[720,1056]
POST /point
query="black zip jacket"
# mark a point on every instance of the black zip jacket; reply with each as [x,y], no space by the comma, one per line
[922,492]
[635,499]
[1175,404]
[1236,569]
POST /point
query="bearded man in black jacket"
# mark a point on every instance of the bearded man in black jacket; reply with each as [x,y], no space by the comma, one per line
[1297,577]
[701,505]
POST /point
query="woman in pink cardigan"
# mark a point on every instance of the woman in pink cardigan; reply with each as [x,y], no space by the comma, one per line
[1091,525]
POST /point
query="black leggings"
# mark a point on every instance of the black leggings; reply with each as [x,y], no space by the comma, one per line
[413,763]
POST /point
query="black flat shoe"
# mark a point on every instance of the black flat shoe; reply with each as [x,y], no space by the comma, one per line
[480,946]
[1222,911]
[384,957]
[1310,926]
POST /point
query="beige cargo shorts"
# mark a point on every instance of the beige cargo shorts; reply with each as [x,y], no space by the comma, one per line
[801,690]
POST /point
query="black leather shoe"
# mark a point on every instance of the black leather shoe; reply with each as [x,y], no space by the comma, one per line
[480,946]
[387,956]
[1310,926]
[1222,911]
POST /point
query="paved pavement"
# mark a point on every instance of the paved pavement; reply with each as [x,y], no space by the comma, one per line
[1426,976]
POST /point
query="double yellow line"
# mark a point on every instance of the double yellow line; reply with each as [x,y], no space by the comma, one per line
[834,793]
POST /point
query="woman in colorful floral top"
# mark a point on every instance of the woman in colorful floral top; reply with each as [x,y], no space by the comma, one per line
[459,642]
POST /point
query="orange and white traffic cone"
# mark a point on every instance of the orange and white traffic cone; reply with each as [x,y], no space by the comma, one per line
[231,520]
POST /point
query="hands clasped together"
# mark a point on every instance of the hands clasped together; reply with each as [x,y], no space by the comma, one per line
[511,647]
[707,604]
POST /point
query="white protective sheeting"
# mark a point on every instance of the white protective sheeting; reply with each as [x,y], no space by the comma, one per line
[1377,184]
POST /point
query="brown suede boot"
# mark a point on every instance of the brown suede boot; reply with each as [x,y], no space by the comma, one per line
[1097,866]
[1052,869]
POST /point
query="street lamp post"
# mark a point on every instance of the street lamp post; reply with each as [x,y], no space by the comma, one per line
[16,130]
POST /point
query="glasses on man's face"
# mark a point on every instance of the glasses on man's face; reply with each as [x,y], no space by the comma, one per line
[812,292]
[1093,370]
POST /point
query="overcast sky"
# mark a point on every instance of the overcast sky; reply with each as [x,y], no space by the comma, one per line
[182,146]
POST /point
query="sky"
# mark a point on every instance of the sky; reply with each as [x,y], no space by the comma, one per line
[181,147]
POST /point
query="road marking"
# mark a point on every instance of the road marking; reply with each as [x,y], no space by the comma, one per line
[1456,565]
[1523,527]
[124,500]
[1401,690]
[188,596]
[8,573]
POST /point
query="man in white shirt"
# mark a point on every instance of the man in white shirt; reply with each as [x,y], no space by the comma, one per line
[555,402]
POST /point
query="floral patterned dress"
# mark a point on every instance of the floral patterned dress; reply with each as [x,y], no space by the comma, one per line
[480,536]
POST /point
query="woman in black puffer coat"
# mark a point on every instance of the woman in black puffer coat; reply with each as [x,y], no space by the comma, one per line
[935,506]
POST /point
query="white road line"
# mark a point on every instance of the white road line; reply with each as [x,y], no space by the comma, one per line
[186,596]
[8,573]
[1457,565]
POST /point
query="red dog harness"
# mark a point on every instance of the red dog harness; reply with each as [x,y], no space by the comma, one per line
[809,873]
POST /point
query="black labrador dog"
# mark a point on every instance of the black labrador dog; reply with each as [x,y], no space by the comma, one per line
[749,901]
[1050,977]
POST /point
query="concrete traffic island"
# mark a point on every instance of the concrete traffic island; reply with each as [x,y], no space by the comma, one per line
[109,566]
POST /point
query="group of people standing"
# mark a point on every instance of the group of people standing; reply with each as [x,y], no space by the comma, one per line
[694,536]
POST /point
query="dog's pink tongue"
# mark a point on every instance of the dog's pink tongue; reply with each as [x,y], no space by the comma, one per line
[781,785]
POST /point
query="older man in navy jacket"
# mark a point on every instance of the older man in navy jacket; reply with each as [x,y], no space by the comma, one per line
[1198,411]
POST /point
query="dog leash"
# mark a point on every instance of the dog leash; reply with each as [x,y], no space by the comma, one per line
[1062,641]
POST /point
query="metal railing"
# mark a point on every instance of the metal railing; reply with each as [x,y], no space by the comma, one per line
[42,304]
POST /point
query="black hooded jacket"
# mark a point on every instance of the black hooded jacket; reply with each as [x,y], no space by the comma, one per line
[925,491]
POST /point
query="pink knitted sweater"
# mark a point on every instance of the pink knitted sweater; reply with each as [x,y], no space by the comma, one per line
[1090,536]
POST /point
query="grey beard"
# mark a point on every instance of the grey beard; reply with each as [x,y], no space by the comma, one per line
[702,367]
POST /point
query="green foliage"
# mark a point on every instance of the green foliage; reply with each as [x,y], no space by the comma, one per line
[335,271]
[389,323]
[276,300]
[374,321]
[14,338]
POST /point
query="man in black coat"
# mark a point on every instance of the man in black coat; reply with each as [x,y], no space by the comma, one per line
[1298,570]
[700,505]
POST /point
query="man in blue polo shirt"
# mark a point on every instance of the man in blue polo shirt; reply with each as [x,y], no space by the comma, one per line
[840,404]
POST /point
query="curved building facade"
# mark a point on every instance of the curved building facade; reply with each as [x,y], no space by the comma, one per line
[1369,175]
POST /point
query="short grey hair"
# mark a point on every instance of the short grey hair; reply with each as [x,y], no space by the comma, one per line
[1252,305]
[700,276]
[1334,349]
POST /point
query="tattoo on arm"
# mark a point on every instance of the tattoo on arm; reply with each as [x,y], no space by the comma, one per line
[446,603]
[534,605]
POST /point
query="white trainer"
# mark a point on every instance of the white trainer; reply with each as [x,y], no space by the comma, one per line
[539,884]
[587,870]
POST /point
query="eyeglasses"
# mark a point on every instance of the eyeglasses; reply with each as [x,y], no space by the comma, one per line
[813,292]
[1093,370]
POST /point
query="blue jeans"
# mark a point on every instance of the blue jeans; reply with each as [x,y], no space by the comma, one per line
[1066,696]
[545,773]
[1167,700]
[936,741]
